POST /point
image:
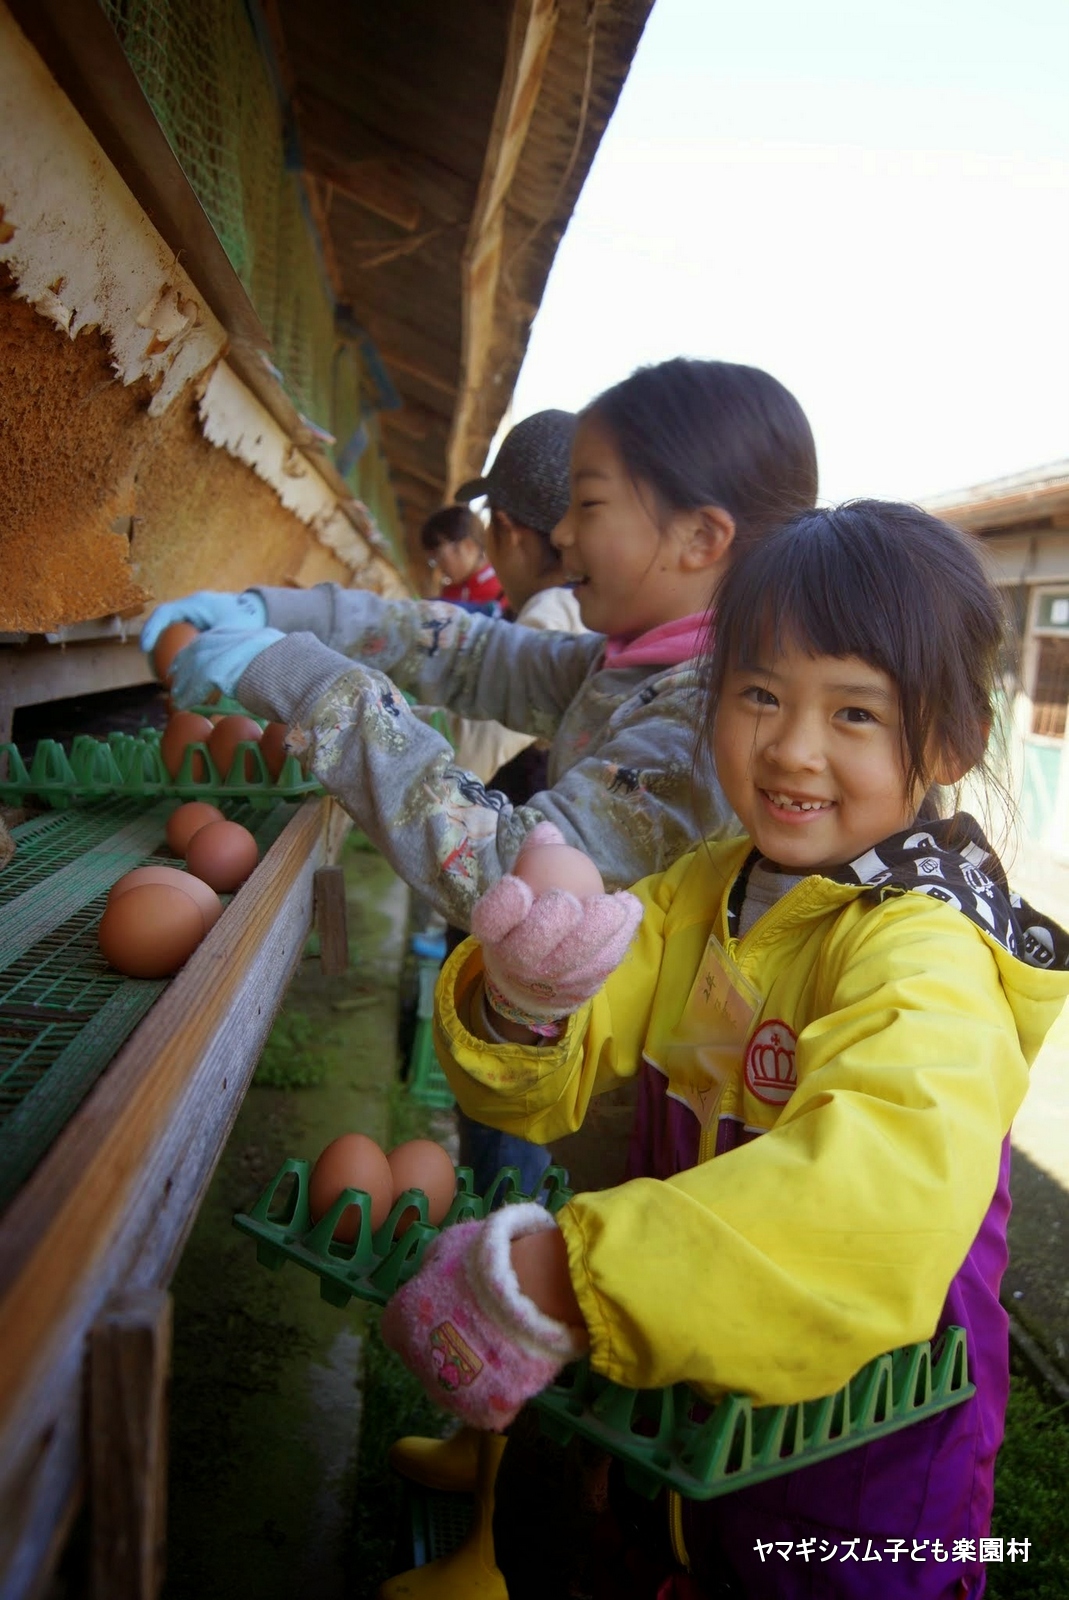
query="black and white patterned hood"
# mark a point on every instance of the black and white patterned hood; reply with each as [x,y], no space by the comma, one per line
[952,861]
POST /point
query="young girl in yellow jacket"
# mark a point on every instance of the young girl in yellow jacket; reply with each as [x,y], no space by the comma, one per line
[833,1019]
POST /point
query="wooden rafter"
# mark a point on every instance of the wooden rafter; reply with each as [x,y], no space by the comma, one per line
[530,38]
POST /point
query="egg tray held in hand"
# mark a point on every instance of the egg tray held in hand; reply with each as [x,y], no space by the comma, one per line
[671,1438]
[131,764]
[377,1264]
[666,1438]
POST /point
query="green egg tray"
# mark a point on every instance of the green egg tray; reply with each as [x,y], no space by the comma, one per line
[377,1264]
[128,764]
[671,1438]
[666,1438]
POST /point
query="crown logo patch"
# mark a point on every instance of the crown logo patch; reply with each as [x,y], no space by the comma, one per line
[770,1073]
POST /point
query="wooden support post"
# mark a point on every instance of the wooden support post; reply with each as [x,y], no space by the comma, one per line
[129,1364]
[331,921]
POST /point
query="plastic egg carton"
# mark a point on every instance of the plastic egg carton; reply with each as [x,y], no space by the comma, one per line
[377,1263]
[671,1438]
[666,1438]
[131,765]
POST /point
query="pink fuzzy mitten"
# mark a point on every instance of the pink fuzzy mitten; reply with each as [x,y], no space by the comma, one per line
[478,1345]
[545,955]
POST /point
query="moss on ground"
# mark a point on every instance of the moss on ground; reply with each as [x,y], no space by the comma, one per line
[394,1404]
[267,1377]
[1030,1497]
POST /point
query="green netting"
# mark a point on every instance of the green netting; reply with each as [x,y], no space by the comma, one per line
[374,486]
[63,1011]
[203,72]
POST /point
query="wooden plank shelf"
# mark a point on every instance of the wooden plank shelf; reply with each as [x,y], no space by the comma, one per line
[107,1211]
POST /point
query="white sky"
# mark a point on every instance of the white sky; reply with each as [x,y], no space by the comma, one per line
[868,198]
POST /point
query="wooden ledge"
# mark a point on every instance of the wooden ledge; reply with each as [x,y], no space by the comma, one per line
[110,1206]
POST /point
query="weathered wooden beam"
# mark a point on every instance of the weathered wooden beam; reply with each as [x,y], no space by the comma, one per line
[423,462]
[378,186]
[32,674]
[423,374]
[530,37]
[129,1367]
[415,421]
[410,469]
[1027,504]
[318,204]
[331,921]
[339,133]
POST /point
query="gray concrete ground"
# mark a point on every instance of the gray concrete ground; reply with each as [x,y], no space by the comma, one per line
[1037,1282]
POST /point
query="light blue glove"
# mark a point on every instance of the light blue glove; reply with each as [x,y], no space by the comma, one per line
[216,661]
[206,609]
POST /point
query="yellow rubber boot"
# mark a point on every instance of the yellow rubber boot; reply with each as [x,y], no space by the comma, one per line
[469,1572]
[450,1465]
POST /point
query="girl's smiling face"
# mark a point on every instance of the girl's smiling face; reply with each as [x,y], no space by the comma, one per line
[810,753]
[623,563]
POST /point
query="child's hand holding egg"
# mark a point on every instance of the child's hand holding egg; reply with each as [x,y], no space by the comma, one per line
[552,865]
[175,637]
[546,953]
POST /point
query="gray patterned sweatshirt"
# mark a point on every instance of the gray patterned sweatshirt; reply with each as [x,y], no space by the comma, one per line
[622,739]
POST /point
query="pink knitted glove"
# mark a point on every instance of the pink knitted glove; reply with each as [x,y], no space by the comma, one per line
[545,955]
[478,1345]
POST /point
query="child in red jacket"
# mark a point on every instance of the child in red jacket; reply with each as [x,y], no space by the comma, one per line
[452,539]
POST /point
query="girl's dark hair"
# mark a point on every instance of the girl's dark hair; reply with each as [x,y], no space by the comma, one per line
[451,525]
[703,433]
[886,583]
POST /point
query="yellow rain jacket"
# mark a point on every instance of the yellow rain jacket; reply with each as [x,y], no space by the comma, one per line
[886,1054]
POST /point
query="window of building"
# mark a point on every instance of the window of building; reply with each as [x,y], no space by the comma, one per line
[1051,693]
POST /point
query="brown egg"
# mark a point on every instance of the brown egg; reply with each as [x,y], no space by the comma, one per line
[226,735]
[183,823]
[150,931]
[223,854]
[211,907]
[273,747]
[171,640]
[185,728]
[558,866]
[352,1161]
[422,1164]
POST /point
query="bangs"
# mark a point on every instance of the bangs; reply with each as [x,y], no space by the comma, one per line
[817,593]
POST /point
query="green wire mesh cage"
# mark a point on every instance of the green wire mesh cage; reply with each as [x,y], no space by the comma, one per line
[207,69]
[63,1011]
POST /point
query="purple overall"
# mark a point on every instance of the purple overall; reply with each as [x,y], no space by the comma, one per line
[931,1482]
